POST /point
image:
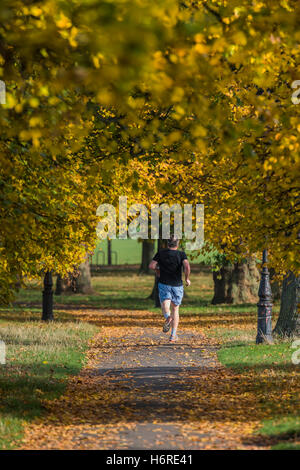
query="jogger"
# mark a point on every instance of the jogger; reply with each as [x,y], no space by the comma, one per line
[168,263]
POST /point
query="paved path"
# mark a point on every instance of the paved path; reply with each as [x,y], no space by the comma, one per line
[152,369]
[141,392]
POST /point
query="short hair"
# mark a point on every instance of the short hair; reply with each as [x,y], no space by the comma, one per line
[173,241]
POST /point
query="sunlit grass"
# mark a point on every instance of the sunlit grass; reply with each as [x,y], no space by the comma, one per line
[39,359]
[268,364]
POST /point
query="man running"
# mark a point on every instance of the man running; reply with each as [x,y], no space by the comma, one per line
[168,264]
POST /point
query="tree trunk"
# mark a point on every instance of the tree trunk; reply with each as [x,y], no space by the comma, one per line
[154,294]
[18,283]
[222,285]
[59,287]
[288,323]
[109,252]
[80,283]
[236,283]
[47,314]
[275,285]
[147,255]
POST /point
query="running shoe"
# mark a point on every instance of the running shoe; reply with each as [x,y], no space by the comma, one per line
[173,339]
[167,324]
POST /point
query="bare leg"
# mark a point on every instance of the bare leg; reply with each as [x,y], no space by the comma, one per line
[165,307]
[175,317]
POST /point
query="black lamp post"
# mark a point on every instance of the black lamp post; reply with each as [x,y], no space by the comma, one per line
[48,297]
[264,311]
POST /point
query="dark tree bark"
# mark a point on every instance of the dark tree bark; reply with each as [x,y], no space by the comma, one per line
[80,282]
[18,283]
[109,252]
[288,323]
[275,285]
[83,281]
[222,285]
[58,287]
[47,314]
[147,256]
[236,283]
[154,294]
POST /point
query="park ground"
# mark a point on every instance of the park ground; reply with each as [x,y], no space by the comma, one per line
[103,376]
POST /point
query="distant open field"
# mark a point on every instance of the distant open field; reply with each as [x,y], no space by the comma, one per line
[127,252]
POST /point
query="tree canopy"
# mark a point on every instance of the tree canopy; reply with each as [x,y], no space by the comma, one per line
[181,100]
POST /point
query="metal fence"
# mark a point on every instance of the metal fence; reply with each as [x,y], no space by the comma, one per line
[100,258]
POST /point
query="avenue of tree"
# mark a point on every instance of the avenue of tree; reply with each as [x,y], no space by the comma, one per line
[174,101]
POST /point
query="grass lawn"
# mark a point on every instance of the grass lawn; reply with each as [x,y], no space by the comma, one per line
[271,367]
[40,357]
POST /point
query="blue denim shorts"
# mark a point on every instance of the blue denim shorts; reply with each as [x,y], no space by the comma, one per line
[173,293]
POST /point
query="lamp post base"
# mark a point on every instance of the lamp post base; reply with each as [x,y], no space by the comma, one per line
[264,313]
[264,327]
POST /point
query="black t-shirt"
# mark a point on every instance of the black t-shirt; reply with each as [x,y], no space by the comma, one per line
[170,264]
